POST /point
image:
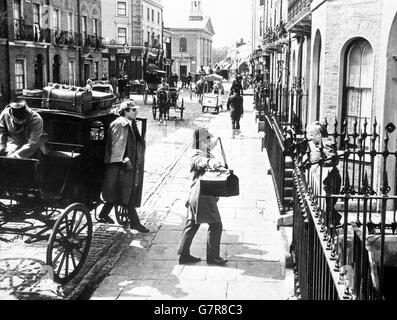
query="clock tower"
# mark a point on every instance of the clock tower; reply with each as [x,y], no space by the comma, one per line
[196,14]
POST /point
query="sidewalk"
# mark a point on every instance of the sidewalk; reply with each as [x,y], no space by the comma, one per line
[149,269]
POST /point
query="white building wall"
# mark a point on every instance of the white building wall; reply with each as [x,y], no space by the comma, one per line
[148,25]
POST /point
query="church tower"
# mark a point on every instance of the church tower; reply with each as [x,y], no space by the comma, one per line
[195,12]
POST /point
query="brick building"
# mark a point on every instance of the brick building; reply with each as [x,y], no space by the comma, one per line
[132,28]
[49,41]
[192,41]
[340,55]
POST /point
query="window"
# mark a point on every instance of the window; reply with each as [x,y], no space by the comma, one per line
[36,20]
[261,2]
[148,37]
[72,75]
[95,27]
[158,17]
[122,35]
[96,67]
[84,24]
[183,45]
[56,19]
[121,8]
[148,13]
[261,27]
[17,9]
[36,14]
[152,15]
[19,75]
[358,83]
[70,22]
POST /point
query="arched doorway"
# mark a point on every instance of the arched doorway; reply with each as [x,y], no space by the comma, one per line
[39,72]
[56,69]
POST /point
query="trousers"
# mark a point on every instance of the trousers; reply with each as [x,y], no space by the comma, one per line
[133,215]
[236,123]
[214,236]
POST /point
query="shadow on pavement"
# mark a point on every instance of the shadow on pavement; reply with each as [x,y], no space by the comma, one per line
[26,279]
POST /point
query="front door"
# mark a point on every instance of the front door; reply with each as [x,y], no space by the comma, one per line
[56,70]
[182,71]
[39,72]
[87,74]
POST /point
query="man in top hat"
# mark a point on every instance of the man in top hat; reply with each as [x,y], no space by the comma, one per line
[124,159]
[21,130]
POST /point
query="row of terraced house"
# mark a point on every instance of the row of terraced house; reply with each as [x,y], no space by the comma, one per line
[332,61]
[68,42]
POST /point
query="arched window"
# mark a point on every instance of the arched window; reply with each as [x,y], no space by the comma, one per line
[358,83]
[183,45]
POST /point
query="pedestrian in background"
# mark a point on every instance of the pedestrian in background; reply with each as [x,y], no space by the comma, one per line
[237,85]
[124,158]
[114,83]
[188,81]
[202,209]
[121,83]
[89,84]
[235,105]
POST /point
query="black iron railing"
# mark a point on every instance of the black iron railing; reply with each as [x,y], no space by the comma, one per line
[344,233]
[93,41]
[25,32]
[68,38]
[295,7]
[74,39]
[276,120]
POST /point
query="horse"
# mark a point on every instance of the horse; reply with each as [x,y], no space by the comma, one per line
[163,104]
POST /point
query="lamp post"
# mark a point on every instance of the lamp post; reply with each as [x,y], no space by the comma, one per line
[236,60]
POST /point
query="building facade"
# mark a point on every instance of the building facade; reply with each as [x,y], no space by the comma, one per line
[49,41]
[131,29]
[337,58]
[192,42]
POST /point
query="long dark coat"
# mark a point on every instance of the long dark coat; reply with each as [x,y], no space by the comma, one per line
[235,103]
[201,209]
[120,185]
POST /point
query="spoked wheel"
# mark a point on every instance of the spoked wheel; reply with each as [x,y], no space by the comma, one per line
[145,94]
[121,213]
[154,108]
[69,243]
[182,108]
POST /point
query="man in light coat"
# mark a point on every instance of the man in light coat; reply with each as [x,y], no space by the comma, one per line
[124,158]
[21,130]
[202,209]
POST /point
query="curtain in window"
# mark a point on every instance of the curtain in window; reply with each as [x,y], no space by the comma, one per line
[359,81]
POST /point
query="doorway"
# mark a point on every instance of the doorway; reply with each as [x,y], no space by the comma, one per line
[182,71]
[56,69]
[39,72]
[87,73]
